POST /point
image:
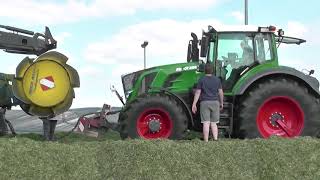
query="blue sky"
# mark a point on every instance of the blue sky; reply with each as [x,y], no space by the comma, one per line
[102,37]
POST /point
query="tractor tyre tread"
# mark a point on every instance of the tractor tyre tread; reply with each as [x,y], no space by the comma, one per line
[128,117]
[245,126]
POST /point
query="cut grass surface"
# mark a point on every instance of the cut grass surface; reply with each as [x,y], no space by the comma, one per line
[81,157]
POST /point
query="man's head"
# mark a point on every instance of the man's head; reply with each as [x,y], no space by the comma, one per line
[208,69]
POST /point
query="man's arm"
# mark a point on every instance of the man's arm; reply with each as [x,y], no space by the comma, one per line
[221,98]
[195,100]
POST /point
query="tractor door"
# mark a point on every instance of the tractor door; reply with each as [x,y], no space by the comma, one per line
[235,52]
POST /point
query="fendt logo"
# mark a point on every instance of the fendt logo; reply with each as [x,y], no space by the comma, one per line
[187,68]
[47,83]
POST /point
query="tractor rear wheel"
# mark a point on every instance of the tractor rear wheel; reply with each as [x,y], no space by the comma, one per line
[153,116]
[280,107]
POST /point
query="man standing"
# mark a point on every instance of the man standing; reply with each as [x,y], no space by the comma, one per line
[210,91]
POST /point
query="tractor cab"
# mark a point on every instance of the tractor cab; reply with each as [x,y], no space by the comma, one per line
[234,53]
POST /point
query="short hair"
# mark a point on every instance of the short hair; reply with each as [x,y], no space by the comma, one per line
[208,69]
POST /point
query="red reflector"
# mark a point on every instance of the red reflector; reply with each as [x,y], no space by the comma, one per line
[272,28]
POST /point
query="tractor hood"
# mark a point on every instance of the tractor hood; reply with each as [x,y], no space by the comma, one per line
[132,80]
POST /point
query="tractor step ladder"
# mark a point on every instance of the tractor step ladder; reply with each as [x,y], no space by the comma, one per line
[226,118]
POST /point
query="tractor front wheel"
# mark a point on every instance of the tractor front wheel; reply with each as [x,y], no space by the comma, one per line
[280,107]
[152,117]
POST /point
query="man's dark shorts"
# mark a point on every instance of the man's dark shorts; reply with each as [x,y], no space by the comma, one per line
[210,111]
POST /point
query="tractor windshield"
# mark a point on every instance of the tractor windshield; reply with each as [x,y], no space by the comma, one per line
[239,51]
[235,51]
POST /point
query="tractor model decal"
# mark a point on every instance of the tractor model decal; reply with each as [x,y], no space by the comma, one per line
[187,68]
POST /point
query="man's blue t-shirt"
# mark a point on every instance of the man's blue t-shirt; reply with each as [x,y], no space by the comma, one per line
[209,86]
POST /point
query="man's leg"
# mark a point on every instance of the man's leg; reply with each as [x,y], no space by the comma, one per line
[205,120]
[205,130]
[214,118]
[214,130]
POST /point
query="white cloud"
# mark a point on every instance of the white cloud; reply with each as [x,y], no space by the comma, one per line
[239,16]
[90,71]
[51,12]
[124,68]
[11,69]
[95,91]
[60,38]
[300,57]
[175,4]
[167,43]
[296,29]
[123,54]
[308,32]
[11,61]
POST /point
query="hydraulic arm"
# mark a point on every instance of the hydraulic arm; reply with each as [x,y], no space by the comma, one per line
[22,41]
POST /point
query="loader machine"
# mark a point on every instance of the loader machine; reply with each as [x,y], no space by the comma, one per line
[41,86]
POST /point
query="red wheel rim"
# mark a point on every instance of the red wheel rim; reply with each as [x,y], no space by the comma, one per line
[280,116]
[162,124]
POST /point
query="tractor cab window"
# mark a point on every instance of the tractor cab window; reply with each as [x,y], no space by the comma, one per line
[235,53]
[263,50]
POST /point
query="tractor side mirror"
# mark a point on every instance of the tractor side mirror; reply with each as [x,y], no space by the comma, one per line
[189,56]
[204,45]
[193,50]
[311,72]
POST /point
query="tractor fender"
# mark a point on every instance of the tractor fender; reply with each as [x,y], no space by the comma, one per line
[179,99]
[310,81]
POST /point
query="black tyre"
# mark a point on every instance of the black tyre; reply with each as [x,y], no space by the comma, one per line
[280,107]
[153,116]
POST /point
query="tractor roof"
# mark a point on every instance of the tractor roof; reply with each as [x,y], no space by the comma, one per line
[243,28]
[236,28]
[251,28]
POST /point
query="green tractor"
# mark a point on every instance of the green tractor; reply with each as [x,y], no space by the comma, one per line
[262,98]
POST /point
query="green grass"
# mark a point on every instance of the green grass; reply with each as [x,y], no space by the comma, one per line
[81,157]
